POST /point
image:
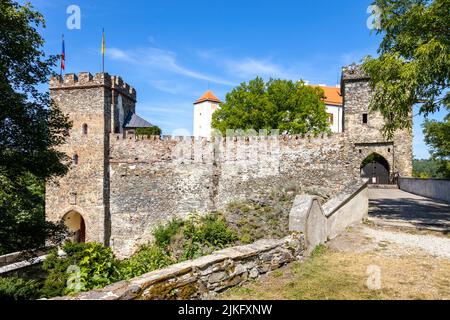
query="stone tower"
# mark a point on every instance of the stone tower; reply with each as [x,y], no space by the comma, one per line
[204,108]
[97,106]
[362,126]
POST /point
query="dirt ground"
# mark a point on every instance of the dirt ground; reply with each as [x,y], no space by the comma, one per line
[366,262]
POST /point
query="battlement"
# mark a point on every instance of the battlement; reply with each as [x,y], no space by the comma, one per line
[354,72]
[151,149]
[137,138]
[85,80]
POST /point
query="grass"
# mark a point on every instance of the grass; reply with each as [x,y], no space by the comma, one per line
[335,275]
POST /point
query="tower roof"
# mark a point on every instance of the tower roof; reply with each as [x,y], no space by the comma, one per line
[134,121]
[208,96]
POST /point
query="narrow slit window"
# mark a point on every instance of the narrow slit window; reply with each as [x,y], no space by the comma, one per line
[365,118]
[85,129]
[75,160]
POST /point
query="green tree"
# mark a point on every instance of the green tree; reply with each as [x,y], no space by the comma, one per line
[413,66]
[150,131]
[437,137]
[291,107]
[427,168]
[30,129]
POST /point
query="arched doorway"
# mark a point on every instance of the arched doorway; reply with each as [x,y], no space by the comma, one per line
[376,168]
[76,226]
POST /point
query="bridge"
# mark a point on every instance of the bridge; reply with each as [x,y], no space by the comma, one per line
[390,206]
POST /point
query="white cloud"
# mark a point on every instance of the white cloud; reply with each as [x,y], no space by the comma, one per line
[163,60]
[251,67]
[118,54]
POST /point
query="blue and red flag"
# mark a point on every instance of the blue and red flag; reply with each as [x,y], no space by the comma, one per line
[63,55]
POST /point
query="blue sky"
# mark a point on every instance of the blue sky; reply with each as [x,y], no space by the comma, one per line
[173,51]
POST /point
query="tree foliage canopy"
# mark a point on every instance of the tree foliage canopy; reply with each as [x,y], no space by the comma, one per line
[414,60]
[150,131]
[437,137]
[291,107]
[30,128]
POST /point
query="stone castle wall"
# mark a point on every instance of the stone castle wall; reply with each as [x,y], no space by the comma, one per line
[153,179]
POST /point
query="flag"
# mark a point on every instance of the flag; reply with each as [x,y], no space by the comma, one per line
[63,55]
[103,50]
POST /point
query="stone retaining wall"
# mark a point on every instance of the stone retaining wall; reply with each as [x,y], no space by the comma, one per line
[320,222]
[438,189]
[204,277]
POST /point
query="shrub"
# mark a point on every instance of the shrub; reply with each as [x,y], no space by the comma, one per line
[212,231]
[163,234]
[150,131]
[86,265]
[147,259]
[203,233]
[14,288]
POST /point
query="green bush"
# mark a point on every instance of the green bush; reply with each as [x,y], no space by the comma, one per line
[211,230]
[205,234]
[163,234]
[86,266]
[147,259]
[150,131]
[14,288]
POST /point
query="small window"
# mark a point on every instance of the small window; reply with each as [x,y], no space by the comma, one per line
[365,118]
[75,160]
[85,129]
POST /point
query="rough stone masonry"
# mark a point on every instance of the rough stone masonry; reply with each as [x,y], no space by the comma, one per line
[122,187]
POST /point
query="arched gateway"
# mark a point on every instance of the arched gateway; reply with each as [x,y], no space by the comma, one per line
[376,168]
[76,226]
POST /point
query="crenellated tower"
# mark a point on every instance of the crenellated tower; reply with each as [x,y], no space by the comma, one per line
[97,106]
[381,157]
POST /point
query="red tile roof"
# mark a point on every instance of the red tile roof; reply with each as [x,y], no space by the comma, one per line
[208,96]
[332,95]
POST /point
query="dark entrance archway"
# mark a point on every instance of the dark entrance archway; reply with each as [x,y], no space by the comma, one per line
[76,226]
[376,168]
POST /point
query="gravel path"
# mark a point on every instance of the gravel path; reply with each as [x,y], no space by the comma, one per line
[433,245]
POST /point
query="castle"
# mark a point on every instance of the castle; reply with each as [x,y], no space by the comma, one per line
[120,185]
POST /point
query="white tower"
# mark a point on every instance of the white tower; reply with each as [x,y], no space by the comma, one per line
[203,111]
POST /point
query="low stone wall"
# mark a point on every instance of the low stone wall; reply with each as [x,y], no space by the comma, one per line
[19,261]
[204,277]
[320,223]
[10,258]
[430,188]
[349,207]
